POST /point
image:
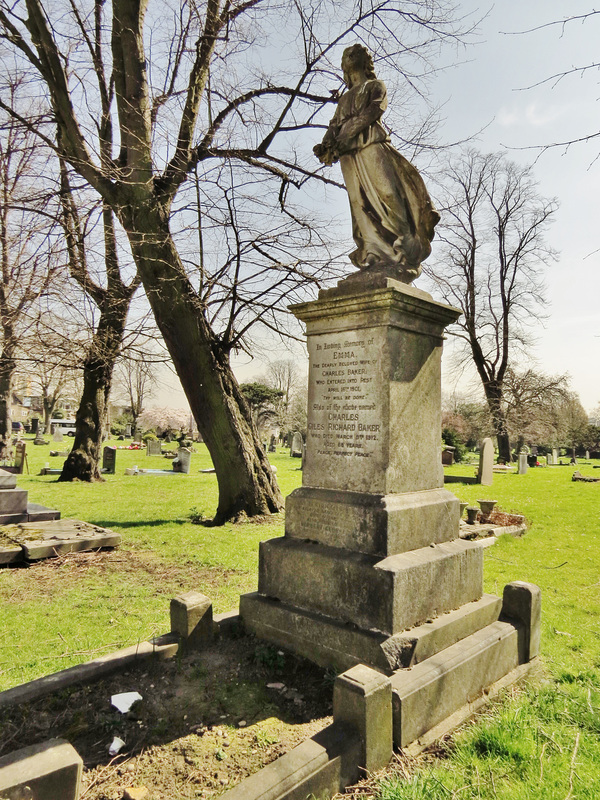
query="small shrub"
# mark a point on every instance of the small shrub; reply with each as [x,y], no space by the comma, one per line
[196,516]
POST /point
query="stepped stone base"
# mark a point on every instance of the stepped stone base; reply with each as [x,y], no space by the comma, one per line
[389,595]
[432,691]
[372,523]
[330,643]
[33,512]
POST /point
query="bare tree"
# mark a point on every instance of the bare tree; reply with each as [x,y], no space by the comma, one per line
[212,73]
[112,301]
[489,263]
[136,378]
[533,401]
[49,364]
[29,256]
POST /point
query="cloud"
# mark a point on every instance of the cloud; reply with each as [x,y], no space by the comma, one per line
[533,115]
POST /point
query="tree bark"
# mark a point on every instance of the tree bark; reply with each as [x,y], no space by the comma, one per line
[7,369]
[494,397]
[83,462]
[247,486]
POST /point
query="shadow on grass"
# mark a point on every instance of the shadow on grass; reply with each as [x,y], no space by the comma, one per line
[139,523]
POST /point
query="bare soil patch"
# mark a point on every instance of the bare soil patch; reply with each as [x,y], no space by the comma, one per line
[206,720]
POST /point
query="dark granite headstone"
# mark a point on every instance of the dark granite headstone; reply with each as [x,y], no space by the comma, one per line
[109,460]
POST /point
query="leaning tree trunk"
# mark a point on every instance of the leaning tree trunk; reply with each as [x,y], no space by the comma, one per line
[83,462]
[247,486]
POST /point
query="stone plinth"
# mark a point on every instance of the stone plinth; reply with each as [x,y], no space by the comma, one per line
[371,568]
[374,412]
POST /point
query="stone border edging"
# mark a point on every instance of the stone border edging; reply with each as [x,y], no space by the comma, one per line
[164,646]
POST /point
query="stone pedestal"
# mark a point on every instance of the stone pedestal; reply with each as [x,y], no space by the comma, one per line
[371,568]
[371,539]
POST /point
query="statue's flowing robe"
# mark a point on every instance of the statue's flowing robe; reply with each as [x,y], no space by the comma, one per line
[393,218]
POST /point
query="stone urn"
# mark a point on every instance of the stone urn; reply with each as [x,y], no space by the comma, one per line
[472,513]
[487,506]
[462,509]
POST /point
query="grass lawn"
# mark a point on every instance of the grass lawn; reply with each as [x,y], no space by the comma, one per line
[542,742]
[60,612]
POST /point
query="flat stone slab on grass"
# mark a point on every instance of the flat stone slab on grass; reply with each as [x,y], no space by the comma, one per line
[46,539]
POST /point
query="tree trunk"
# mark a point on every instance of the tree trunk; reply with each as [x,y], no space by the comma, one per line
[494,397]
[83,462]
[7,369]
[247,486]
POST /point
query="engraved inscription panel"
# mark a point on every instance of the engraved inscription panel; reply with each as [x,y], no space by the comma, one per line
[346,428]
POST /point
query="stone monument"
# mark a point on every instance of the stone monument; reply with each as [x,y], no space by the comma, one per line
[109,460]
[371,568]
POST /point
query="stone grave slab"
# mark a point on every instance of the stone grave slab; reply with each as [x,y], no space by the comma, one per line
[46,539]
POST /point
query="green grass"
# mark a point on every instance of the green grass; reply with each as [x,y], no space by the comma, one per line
[61,612]
[544,742]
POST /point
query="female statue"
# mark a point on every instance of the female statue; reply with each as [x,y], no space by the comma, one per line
[393,218]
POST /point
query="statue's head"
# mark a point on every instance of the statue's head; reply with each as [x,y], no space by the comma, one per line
[357,57]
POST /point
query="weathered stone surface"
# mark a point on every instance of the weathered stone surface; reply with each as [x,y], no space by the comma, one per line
[522,603]
[7,479]
[330,643]
[39,513]
[10,552]
[371,523]
[319,767]
[485,474]
[431,691]
[161,647]
[389,595]
[49,538]
[192,618]
[45,771]
[362,698]
[423,641]
[13,501]
[374,386]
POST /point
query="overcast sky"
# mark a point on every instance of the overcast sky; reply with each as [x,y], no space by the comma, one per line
[490,89]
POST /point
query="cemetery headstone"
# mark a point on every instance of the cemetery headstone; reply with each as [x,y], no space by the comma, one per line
[183,462]
[448,456]
[57,436]
[20,455]
[554,455]
[34,425]
[128,430]
[296,448]
[587,455]
[153,447]
[485,472]
[109,460]
[523,463]
[273,444]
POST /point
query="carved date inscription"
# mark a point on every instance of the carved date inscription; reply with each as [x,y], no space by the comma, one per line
[344,415]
